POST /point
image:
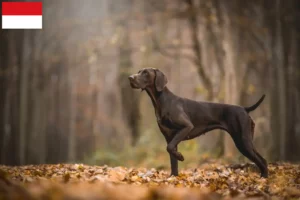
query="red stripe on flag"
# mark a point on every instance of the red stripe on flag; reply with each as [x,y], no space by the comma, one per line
[21,8]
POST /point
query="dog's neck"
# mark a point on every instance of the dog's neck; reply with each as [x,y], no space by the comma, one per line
[157,99]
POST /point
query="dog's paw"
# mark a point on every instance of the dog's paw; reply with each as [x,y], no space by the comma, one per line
[173,174]
[179,156]
[264,175]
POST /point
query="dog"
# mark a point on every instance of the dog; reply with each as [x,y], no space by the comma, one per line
[182,119]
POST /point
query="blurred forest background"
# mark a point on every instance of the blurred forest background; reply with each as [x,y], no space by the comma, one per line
[65,95]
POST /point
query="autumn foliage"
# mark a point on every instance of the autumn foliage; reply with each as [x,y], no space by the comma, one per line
[209,181]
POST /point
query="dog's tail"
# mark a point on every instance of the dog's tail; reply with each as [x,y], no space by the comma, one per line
[251,108]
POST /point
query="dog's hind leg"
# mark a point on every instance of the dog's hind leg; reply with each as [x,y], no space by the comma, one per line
[252,127]
[242,137]
[252,133]
[261,158]
[245,146]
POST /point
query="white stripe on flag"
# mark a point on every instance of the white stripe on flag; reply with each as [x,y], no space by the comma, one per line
[22,21]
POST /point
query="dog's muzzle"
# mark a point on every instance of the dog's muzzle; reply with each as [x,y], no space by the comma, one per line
[132,82]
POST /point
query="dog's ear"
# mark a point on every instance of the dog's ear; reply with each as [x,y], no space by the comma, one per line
[160,80]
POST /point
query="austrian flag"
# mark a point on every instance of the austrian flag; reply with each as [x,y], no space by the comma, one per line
[22,15]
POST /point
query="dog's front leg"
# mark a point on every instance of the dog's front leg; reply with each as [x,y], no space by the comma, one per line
[173,160]
[174,165]
[179,136]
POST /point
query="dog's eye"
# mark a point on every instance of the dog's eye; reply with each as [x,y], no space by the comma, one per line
[145,72]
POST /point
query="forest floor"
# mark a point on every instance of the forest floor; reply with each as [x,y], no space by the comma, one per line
[208,181]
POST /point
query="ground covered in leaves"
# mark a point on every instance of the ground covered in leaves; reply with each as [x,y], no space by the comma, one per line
[210,181]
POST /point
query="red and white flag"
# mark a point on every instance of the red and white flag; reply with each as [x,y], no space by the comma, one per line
[22,15]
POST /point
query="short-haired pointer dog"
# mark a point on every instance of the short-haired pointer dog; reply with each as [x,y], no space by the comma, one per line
[182,119]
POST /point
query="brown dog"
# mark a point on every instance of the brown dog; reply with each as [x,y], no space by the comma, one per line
[182,119]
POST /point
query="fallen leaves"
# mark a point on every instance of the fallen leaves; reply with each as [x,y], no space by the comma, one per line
[117,175]
[214,181]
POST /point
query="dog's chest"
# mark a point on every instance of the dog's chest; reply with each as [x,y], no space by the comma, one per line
[167,126]
[167,122]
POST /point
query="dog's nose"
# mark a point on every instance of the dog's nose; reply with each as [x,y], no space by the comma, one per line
[131,78]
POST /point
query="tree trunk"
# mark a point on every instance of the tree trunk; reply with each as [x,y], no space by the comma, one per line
[197,49]
[4,94]
[130,100]
[35,114]
[24,97]
[281,81]
[42,128]
[292,150]
[231,88]
[73,114]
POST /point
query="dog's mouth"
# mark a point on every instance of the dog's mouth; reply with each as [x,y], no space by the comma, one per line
[134,85]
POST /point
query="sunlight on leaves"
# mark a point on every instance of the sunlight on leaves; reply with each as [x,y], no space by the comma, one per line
[213,181]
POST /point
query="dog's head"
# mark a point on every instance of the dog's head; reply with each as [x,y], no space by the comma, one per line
[148,77]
